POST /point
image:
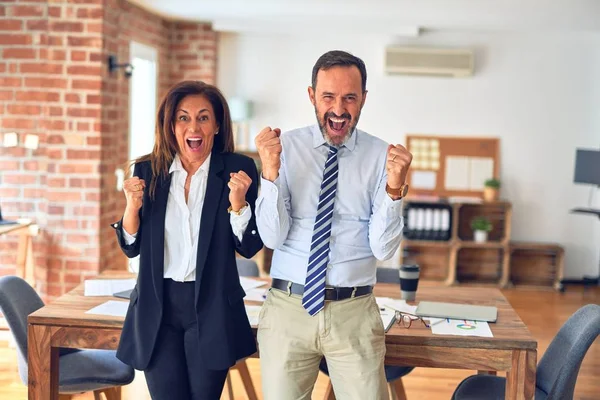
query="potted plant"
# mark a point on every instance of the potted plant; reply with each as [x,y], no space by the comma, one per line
[481,226]
[490,190]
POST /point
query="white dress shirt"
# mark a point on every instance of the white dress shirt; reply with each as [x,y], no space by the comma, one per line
[182,222]
[367,224]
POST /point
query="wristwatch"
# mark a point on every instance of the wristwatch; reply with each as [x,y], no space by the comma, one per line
[238,212]
[401,191]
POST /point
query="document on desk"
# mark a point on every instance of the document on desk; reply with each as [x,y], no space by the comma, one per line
[107,287]
[114,308]
[396,304]
[388,316]
[253,312]
[459,327]
[256,294]
[249,283]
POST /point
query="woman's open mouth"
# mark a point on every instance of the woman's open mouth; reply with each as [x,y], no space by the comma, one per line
[194,143]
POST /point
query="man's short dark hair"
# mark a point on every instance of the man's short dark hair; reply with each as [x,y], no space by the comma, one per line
[336,58]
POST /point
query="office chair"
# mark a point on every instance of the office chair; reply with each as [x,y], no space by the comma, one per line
[393,374]
[80,371]
[557,370]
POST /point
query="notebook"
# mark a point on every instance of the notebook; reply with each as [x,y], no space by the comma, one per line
[457,311]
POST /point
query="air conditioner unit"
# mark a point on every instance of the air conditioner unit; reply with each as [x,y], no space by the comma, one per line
[429,61]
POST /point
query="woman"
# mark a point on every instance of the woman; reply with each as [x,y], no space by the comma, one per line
[190,207]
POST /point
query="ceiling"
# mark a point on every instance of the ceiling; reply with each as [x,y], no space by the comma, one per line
[399,17]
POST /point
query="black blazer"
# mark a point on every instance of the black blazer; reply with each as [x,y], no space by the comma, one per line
[223,327]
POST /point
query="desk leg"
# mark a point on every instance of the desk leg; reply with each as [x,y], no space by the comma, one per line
[520,380]
[43,364]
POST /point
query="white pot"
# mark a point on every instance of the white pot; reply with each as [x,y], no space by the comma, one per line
[480,236]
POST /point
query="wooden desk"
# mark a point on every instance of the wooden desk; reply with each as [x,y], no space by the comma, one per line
[64,323]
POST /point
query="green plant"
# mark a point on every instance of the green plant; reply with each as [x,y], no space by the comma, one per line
[492,183]
[481,224]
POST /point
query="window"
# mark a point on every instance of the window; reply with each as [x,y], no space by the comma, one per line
[142,99]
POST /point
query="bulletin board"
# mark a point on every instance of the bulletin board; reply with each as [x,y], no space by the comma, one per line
[452,166]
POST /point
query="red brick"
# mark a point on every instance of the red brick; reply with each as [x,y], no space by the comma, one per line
[83,154]
[83,112]
[30,165]
[90,13]
[54,11]
[13,68]
[56,210]
[84,70]
[9,165]
[95,57]
[57,55]
[82,239]
[15,39]
[26,11]
[76,168]
[83,126]
[23,110]
[41,68]
[95,197]
[93,99]
[18,53]
[2,11]
[6,95]
[13,123]
[37,96]
[63,26]
[55,182]
[11,25]
[2,67]
[54,154]
[54,125]
[78,55]
[55,111]
[72,98]
[56,139]
[9,192]
[93,42]
[46,83]
[86,84]
[76,182]
[18,179]
[37,25]
[93,141]
[33,193]
[94,27]
[63,196]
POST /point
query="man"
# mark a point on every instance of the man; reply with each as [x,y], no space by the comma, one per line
[330,205]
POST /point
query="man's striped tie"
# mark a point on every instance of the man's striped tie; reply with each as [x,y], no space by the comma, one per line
[314,287]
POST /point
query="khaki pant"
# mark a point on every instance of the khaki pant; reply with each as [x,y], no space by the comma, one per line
[349,333]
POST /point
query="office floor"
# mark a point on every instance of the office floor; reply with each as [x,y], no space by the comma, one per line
[542,311]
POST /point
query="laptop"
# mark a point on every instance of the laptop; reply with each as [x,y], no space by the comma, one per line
[125,294]
[457,311]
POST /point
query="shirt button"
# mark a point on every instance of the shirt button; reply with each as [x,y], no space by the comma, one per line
[253,232]
[115,225]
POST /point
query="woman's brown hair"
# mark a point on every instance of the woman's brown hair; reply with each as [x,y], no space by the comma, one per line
[165,142]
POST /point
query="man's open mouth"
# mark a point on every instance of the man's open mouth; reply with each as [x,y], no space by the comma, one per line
[337,125]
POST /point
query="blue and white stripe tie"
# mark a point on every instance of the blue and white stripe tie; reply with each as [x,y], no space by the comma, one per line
[314,287]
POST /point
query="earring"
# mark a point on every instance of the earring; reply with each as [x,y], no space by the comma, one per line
[217,132]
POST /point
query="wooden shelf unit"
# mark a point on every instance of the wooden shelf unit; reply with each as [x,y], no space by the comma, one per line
[460,259]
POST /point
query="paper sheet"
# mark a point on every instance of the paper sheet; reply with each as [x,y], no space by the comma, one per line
[481,169]
[423,180]
[249,283]
[459,327]
[107,287]
[256,294]
[387,317]
[395,304]
[253,312]
[112,307]
[457,173]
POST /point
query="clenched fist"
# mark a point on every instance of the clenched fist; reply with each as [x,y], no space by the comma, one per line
[397,165]
[134,192]
[239,182]
[269,148]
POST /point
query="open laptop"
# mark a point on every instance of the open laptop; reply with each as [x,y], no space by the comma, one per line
[457,311]
[125,294]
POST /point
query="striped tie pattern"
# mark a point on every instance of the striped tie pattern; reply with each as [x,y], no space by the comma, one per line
[313,298]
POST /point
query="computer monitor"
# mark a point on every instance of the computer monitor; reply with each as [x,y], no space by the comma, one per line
[587,167]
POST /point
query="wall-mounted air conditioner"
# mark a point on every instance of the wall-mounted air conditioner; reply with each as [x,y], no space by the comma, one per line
[429,61]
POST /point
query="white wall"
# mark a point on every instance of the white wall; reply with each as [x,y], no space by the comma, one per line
[539,93]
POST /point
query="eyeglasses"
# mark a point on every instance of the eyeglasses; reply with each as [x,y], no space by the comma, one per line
[406,319]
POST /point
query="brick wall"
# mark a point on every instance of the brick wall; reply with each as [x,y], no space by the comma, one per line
[54,83]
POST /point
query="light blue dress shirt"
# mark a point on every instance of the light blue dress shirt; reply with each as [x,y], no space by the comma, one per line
[367,223]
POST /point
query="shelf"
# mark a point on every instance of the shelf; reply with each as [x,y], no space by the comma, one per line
[484,245]
[426,243]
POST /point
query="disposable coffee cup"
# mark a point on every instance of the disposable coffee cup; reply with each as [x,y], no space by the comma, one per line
[409,280]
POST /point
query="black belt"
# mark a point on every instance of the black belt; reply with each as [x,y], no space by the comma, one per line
[331,293]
